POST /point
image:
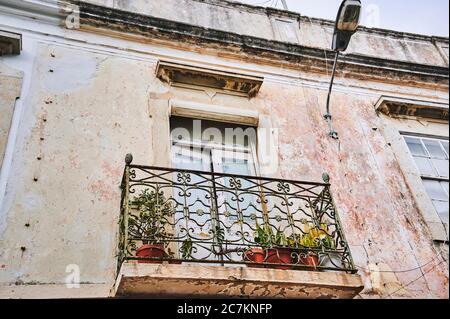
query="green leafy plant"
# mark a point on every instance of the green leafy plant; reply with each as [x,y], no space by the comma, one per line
[280,239]
[293,241]
[265,237]
[317,237]
[219,234]
[262,235]
[152,217]
[186,249]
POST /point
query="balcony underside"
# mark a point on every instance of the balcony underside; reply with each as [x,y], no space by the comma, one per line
[206,281]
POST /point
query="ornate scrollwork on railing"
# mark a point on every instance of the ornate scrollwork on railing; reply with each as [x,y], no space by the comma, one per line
[192,216]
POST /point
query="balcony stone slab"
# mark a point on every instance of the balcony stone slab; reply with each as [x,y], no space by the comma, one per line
[208,281]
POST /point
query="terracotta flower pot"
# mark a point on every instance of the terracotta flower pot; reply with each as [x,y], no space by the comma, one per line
[279,256]
[150,251]
[256,256]
[311,259]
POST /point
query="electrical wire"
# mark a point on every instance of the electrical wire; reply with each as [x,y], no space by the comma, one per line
[406,270]
[413,281]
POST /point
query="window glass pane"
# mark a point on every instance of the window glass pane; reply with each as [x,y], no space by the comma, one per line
[425,167]
[435,190]
[442,210]
[445,185]
[441,166]
[445,145]
[434,148]
[415,146]
[203,131]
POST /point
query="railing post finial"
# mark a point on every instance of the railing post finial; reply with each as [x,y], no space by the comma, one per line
[128,158]
[326,177]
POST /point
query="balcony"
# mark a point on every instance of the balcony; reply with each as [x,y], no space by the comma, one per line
[193,229]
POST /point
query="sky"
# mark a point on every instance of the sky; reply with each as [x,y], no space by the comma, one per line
[429,17]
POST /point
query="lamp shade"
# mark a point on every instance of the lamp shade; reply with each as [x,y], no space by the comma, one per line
[348,16]
[347,23]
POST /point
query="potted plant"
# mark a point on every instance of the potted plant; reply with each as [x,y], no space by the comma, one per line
[187,248]
[149,224]
[274,248]
[313,240]
[280,251]
[257,255]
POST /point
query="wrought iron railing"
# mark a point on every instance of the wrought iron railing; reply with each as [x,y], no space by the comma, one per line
[185,216]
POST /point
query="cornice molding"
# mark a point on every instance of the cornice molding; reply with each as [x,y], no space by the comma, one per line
[104,20]
[325,22]
[306,58]
[50,11]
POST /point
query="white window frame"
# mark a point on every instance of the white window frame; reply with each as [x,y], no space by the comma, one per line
[424,177]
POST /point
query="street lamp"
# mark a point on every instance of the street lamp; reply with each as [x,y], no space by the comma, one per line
[347,23]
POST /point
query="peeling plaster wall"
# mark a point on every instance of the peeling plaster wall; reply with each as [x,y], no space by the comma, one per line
[10,86]
[393,46]
[382,223]
[90,100]
[261,23]
[82,119]
[199,13]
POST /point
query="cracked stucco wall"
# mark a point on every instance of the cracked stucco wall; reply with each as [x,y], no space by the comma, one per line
[73,138]
[262,23]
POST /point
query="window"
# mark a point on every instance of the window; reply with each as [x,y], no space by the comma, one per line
[431,156]
[209,146]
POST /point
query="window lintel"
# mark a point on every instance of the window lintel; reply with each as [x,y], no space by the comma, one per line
[395,106]
[175,73]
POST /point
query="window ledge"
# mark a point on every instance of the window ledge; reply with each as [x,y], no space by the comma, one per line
[439,231]
[212,112]
[202,281]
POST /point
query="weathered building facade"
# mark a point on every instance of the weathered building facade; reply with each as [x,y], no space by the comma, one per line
[84,83]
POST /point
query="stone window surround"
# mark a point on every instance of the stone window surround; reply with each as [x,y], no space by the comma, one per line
[229,114]
[161,109]
[394,129]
